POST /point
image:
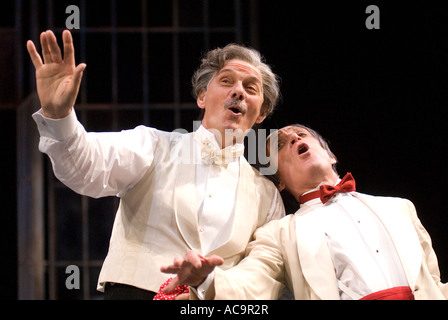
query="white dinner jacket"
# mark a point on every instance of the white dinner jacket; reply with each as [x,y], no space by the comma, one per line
[153,173]
[157,218]
[294,251]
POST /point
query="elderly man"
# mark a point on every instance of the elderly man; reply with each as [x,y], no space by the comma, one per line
[177,191]
[340,244]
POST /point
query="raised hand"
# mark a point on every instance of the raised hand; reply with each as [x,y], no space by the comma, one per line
[57,78]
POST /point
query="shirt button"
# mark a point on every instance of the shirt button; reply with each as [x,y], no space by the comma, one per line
[210,195]
[201,229]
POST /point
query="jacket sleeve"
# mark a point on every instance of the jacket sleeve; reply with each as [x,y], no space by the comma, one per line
[95,164]
[258,276]
[428,251]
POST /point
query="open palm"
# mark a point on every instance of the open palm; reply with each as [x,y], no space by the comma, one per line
[57,79]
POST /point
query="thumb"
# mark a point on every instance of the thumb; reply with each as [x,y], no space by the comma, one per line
[215,260]
[77,75]
[172,284]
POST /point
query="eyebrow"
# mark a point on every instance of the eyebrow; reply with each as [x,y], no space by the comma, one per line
[251,78]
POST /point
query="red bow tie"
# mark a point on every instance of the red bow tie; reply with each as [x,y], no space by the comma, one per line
[347,184]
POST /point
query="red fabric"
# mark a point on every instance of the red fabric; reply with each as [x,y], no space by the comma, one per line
[397,293]
[172,294]
[326,192]
[309,196]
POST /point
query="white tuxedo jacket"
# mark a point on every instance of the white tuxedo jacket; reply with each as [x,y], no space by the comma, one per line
[294,251]
[157,219]
[157,216]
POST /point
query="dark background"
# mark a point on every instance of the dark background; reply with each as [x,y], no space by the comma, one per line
[378,96]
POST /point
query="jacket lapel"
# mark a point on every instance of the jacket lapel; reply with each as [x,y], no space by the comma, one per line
[242,222]
[184,200]
[394,215]
[314,256]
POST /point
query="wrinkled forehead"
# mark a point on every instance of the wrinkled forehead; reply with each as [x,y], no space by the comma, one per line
[292,129]
[237,65]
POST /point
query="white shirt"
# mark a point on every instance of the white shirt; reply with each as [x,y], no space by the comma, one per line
[215,193]
[363,254]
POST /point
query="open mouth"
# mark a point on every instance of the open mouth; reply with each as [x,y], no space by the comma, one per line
[303,148]
[235,109]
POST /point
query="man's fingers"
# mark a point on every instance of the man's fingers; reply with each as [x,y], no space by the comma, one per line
[183,296]
[55,51]
[51,51]
[178,261]
[169,269]
[35,57]
[175,267]
[46,54]
[69,49]
[194,258]
[172,285]
[214,261]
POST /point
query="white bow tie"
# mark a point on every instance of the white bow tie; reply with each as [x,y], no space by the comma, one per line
[211,153]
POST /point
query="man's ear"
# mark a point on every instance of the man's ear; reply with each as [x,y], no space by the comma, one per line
[260,118]
[333,161]
[201,99]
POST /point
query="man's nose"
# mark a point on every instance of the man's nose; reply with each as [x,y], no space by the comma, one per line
[294,137]
[238,91]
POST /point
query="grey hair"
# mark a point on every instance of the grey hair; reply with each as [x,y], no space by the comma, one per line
[215,60]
